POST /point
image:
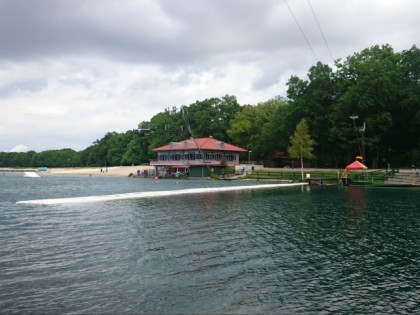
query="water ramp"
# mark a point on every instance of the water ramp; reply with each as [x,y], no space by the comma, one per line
[150,194]
[30,174]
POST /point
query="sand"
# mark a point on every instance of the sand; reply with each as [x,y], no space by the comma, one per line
[96,171]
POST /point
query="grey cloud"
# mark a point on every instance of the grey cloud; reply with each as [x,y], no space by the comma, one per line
[24,85]
[100,57]
[223,27]
[43,28]
[267,79]
[48,28]
[186,31]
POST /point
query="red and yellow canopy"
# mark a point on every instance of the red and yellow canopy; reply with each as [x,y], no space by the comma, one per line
[356,165]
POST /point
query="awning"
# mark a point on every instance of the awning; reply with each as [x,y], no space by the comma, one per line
[356,165]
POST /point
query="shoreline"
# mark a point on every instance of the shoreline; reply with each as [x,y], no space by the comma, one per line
[120,171]
[125,171]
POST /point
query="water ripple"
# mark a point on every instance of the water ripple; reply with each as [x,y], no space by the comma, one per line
[312,251]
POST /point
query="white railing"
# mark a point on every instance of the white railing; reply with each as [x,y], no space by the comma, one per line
[189,163]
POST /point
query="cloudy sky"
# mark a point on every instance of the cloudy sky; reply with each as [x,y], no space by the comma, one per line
[73,70]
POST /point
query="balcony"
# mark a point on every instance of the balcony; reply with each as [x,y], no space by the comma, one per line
[190,163]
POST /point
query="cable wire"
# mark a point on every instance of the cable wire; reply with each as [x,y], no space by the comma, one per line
[301,30]
[320,29]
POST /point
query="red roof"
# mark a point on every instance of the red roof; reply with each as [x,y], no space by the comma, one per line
[202,143]
[356,165]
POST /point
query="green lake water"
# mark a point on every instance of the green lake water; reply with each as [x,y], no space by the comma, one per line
[297,250]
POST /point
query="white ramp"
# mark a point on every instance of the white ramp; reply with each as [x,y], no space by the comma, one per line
[30,174]
[149,194]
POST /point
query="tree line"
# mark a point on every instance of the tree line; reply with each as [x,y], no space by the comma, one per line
[367,104]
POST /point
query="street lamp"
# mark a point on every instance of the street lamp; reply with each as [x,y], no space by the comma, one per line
[301,158]
[354,117]
[249,162]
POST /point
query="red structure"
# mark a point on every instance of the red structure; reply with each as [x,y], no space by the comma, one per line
[356,165]
[197,157]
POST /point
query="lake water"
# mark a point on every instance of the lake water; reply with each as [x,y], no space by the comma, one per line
[297,250]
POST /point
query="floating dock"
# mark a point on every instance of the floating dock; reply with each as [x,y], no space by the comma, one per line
[150,194]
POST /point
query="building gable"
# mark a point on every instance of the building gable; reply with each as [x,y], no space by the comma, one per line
[200,144]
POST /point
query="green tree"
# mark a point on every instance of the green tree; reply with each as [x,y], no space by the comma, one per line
[165,127]
[301,143]
[369,85]
[242,127]
[314,100]
[117,146]
[137,151]
[211,117]
[56,158]
[274,134]
[406,112]
[247,129]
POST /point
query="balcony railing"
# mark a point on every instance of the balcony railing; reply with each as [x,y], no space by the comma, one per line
[189,163]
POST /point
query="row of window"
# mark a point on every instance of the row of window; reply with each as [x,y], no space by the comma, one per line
[191,156]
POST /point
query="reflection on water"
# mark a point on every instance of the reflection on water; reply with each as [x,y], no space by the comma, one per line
[356,200]
[304,250]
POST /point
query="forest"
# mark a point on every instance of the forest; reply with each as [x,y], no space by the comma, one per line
[367,104]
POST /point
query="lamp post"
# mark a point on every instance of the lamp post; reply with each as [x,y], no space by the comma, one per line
[301,159]
[362,132]
[249,161]
[354,117]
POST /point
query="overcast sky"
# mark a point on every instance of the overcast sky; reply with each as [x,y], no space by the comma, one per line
[73,70]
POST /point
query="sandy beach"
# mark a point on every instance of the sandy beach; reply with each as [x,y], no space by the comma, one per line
[97,171]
